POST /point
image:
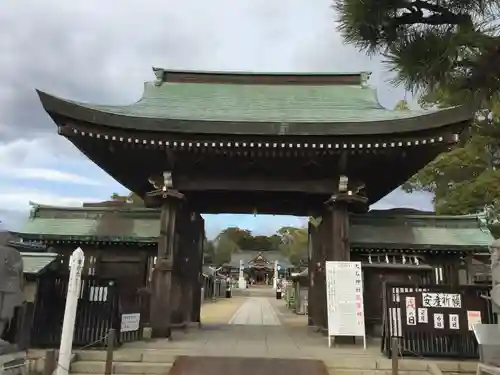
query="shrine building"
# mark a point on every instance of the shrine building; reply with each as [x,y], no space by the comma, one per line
[317,145]
[393,246]
[258,266]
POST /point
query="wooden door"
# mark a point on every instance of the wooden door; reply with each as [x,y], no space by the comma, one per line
[374,279]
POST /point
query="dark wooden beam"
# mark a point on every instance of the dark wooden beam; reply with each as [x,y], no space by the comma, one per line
[193,183]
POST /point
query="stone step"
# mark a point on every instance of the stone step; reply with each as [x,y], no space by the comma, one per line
[154,356]
[383,364]
[454,367]
[98,367]
[332,371]
[100,355]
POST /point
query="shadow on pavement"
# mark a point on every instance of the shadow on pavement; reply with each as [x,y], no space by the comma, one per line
[191,365]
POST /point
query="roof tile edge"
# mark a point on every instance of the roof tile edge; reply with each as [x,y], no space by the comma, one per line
[276,78]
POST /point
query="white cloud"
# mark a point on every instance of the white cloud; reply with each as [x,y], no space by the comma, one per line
[102,51]
[45,174]
[19,200]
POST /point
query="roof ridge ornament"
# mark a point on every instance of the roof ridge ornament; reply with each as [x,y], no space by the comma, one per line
[365,77]
[159,73]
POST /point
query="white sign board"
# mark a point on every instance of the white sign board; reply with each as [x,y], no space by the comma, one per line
[446,300]
[473,318]
[130,322]
[423,316]
[411,311]
[344,297]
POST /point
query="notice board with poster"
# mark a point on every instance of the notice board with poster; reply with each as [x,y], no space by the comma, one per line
[427,311]
[344,297]
[424,311]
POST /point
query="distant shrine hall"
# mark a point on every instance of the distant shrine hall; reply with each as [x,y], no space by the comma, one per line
[258,266]
[304,144]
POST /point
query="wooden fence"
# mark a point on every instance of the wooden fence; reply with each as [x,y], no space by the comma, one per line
[434,320]
[99,309]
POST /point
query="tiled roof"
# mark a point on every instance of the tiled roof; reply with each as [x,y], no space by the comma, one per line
[376,229]
[34,263]
[92,223]
[380,229]
[215,107]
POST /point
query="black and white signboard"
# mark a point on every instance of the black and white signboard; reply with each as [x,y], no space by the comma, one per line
[344,296]
[130,322]
[442,300]
[430,312]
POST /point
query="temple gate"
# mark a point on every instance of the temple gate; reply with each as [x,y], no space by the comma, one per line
[317,145]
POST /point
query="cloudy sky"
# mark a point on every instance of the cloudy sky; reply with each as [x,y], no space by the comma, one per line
[102,51]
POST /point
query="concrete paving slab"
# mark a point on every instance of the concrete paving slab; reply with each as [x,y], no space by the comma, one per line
[220,311]
[262,336]
[256,311]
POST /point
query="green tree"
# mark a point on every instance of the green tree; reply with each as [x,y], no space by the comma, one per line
[241,237]
[466,180]
[263,243]
[208,251]
[429,44]
[131,198]
[225,247]
[294,244]
[449,53]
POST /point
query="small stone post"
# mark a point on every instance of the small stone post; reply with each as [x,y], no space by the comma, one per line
[75,277]
[242,284]
[275,275]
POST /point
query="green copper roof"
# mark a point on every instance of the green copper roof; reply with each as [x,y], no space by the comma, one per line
[372,230]
[420,237]
[419,231]
[92,224]
[259,103]
[336,109]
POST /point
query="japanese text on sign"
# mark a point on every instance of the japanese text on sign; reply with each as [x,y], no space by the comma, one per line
[130,322]
[423,316]
[454,324]
[344,284]
[438,321]
[445,300]
[411,312]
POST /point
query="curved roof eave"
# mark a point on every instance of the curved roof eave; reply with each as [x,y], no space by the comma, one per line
[82,112]
[119,209]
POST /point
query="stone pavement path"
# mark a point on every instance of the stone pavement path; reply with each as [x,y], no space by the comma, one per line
[220,311]
[256,311]
[259,327]
[272,332]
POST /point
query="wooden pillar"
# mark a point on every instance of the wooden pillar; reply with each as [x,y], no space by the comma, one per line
[466,274]
[197,271]
[337,242]
[317,297]
[311,233]
[191,288]
[335,238]
[315,275]
[186,265]
[161,284]
[449,266]
[324,238]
